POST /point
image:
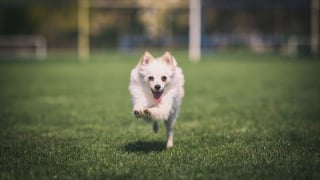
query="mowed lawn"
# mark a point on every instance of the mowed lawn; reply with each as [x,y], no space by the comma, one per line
[243,117]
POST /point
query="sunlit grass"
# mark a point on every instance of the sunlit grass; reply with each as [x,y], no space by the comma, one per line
[243,116]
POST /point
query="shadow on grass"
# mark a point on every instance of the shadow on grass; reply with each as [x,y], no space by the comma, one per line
[145,147]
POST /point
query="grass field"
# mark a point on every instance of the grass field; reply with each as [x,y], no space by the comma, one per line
[243,117]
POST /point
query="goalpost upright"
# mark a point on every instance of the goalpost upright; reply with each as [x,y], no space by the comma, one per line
[83,33]
[195,30]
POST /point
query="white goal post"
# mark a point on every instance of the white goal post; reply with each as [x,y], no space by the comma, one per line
[195,30]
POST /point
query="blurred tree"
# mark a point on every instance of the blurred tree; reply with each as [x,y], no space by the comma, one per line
[15,20]
[259,20]
[57,22]
[154,15]
[105,26]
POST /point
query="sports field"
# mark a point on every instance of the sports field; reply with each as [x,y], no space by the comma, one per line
[244,116]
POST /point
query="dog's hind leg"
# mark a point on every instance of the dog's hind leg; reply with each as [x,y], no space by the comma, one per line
[155,127]
[169,127]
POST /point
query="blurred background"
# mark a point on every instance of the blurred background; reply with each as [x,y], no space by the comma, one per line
[83,27]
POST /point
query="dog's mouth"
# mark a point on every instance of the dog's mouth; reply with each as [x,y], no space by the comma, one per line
[156,94]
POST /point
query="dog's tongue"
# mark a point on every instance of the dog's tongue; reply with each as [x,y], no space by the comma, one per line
[157,96]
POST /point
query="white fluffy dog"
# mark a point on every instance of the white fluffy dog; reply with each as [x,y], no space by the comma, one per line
[156,86]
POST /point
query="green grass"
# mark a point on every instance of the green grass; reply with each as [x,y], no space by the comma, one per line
[243,117]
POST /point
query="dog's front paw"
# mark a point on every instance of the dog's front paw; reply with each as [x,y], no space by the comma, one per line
[137,113]
[147,113]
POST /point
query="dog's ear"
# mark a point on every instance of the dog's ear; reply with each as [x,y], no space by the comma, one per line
[168,59]
[146,59]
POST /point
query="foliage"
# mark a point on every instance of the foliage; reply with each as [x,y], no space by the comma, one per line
[154,15]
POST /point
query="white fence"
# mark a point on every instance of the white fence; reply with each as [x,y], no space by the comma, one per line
[23,46]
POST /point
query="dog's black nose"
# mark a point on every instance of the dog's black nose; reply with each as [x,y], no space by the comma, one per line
[157,87]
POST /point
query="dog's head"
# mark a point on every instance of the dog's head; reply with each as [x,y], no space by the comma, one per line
[157,73]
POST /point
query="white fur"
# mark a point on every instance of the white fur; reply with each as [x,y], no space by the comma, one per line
[148,106]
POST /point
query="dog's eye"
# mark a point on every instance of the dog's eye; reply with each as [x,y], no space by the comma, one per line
[163,78]
[150,78]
